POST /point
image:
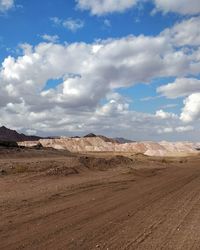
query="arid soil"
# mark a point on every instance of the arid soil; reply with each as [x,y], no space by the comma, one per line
[57,200]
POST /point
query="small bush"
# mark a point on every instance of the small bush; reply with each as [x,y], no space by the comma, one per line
[20,169]
[164,161]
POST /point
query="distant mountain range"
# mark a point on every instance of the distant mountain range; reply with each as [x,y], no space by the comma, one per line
[120,140]
[7,134]
[10,135]
[106,139]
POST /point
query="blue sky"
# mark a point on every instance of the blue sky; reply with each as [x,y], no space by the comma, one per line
[30,19]
[58,59]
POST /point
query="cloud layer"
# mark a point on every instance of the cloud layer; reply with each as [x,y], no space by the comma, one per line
[89,76]
[181,87]
[103,7]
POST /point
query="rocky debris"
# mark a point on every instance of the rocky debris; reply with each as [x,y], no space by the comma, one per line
[66,166]
[62,171]
[103,163]
[84,163]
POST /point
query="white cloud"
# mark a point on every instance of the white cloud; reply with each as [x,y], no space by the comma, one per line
[185,7]
[6,5]
[70,23]
[149,98]
[185,33]
[73,24]
[31,132]
[191,110]
[113,107]
[169,106]
[165,130]
[183,129]
[88,74]
[165,115]
[102,7]
[50,38]
[180,129]
[56,20]
[180,87]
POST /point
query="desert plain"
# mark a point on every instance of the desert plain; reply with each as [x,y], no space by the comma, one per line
[56,199]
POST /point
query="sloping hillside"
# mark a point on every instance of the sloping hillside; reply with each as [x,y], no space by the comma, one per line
[99,144]
[7,134]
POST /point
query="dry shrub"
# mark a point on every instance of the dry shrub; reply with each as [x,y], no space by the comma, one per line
[19,169]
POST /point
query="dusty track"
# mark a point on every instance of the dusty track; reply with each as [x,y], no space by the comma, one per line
[114,209]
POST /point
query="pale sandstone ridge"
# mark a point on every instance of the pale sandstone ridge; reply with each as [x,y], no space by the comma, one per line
[99,144]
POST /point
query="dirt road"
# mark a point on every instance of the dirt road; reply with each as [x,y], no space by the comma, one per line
[113,209]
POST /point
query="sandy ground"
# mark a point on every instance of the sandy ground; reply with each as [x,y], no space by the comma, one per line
[56,200]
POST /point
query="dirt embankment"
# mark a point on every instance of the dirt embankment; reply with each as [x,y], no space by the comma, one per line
[53,162]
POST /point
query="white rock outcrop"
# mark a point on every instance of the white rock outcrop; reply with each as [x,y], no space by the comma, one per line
[98,144]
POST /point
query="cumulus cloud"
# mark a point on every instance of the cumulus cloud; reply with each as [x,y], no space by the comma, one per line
[88,68]
[191,110]
[70,23]
[180,87]
[89,74]
[180,129]
[111,119]
[31,132]
[184,7]
[185,33]
[183,129]
[185,87]
[56,20]
[102,7]
[165,115]
[73,24]
[50,38]
[6,5]
[165,130]
[113,107]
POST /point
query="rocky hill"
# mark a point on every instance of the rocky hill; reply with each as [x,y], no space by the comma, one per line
[100,144]
[7,134]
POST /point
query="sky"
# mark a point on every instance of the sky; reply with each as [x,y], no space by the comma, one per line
[121,68]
